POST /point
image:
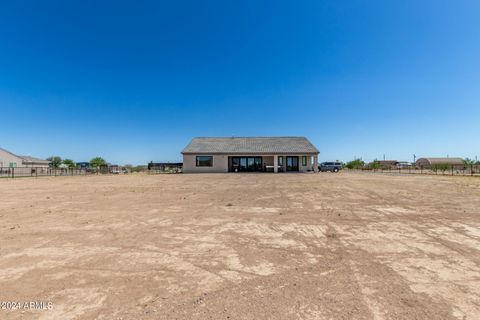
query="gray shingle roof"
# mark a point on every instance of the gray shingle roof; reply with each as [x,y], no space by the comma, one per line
[251,145]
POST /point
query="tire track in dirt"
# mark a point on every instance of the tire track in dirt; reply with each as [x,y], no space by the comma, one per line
[391,299]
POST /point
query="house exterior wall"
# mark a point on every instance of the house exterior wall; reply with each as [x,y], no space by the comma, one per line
[221,162]
[308,164]
[8,160]
[35,165]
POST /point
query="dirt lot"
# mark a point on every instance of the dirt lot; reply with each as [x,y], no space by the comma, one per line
[251,246]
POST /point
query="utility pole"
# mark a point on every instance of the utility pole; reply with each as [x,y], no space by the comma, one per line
[384,157]
[414,157]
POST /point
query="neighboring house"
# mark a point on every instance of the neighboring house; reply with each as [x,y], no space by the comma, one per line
[11,160]
[250,154]
[83,165]
[427,163]
[35,162]
[388,164]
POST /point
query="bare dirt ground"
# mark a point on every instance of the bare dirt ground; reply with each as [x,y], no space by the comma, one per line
[241,246]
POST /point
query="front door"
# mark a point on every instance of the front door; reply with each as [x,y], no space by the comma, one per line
[292,163]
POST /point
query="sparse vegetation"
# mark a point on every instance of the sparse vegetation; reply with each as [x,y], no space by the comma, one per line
[69,163]
[55,161]
[355,164]
[441,167]
[469,162]
[375,165]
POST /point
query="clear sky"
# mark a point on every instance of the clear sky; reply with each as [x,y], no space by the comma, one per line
[135,81]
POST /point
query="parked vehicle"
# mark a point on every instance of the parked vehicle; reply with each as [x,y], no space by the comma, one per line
[403,164]
[330,166]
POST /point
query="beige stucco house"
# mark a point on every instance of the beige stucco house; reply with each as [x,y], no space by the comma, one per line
[250,154]
[11,160]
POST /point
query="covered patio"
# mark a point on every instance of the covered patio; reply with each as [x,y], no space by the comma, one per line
[272,163]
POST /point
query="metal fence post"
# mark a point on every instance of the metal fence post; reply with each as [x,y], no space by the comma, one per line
[13,172]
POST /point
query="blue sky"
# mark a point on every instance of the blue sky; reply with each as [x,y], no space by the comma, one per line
[135,81]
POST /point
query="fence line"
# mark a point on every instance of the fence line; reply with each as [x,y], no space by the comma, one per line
[164,167]
[468,170]
[7,172]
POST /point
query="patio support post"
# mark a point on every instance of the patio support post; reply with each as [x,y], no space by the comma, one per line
[315,163]
[275,163]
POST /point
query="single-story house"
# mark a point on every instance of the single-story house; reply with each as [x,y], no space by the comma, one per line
[11,160]
[388,164]
[427,163]
[250,154]
[29,161]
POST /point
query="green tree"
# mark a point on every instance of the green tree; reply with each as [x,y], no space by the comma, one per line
[69,163]
[355,164]
[55,161]
[97,162]
[468,161]
[374,165]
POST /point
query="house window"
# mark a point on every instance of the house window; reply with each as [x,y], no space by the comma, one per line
[13,164]
[280,161]
[204,161]
[304,161]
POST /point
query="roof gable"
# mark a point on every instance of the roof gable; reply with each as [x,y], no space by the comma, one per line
[10,153]
[25,159]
